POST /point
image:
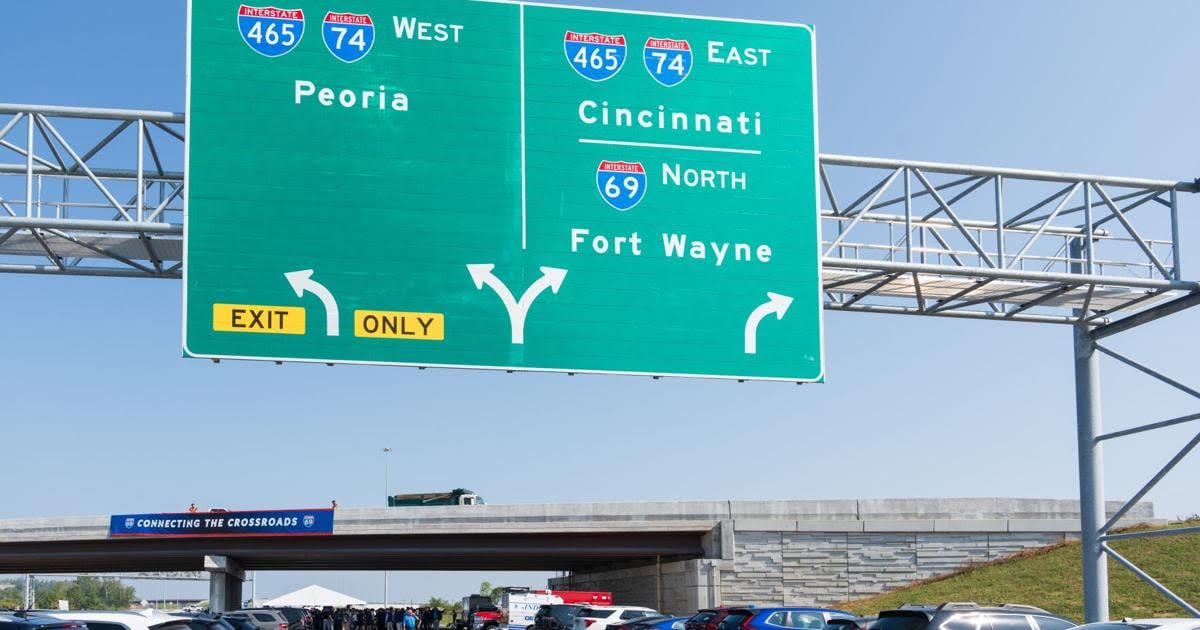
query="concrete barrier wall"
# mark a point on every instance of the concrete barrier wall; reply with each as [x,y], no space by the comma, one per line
[792,568]
[804,569]
[824,552]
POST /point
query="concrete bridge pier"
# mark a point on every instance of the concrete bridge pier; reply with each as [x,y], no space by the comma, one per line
[224,583]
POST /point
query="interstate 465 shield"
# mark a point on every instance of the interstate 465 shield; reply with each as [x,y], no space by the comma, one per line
[269,31]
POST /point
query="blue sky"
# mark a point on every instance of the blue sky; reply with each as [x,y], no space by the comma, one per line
[102,416]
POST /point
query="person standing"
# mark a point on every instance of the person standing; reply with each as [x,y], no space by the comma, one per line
[410,620]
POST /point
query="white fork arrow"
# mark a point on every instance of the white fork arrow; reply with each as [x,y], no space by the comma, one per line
[551,279]
[777,304]
[302,281]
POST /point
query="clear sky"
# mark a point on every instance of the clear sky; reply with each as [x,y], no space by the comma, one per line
[101,415]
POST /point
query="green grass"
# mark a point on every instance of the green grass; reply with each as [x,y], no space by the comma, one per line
[1050,579]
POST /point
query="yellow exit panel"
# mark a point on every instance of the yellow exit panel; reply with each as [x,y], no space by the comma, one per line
[248,318]
[400,325]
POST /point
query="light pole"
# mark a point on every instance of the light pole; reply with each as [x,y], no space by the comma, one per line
[387,451]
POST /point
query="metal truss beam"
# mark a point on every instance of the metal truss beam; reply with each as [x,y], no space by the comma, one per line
[1146,577]
[79,197]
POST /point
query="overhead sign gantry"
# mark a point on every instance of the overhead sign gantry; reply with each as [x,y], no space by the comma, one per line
[502,185]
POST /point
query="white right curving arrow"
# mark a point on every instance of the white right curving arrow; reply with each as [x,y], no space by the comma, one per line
[302,281]
[551,279]
[777,304]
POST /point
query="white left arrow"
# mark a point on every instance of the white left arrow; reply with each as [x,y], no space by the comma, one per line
[302,281]
[777,305]
[552,279]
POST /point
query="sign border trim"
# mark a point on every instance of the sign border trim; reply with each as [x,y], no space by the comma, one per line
[819,378]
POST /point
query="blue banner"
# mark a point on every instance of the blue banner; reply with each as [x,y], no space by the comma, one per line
[317,522]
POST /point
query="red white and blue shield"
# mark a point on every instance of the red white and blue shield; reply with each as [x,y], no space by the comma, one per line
[349,36]
[270,31]
[595,56]
[621,184]
[668,60]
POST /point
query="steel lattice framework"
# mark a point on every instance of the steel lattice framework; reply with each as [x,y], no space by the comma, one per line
[99,192]
[91,191]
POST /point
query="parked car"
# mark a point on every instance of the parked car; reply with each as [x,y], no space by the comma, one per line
[708,618]
[778,617]
[239,623]
[123,619]
[203,621]
[970,616]
[1177,623]
[297,618]
[857,623]
[262,618]
[556,616]
[637,623]
[35,621]
[600,618]
[666,623]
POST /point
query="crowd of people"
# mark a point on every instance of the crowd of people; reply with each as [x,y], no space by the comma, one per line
[377,619]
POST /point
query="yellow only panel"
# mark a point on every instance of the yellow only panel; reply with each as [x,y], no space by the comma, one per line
[400,325]
[248,318]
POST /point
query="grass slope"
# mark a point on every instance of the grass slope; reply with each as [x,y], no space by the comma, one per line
[1050,579]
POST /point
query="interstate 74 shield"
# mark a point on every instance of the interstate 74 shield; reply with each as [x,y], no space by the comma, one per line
[668,60]
[269,31]
[621,184]
[595,56]
[349,36]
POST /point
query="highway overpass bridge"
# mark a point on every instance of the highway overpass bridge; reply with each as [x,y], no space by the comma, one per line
[675,556]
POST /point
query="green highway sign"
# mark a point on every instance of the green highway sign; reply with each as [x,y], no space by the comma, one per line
[482,184]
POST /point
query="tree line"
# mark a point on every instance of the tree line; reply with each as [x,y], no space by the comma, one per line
[82,593]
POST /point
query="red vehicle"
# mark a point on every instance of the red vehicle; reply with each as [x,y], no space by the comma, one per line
[478,612]
[707,619]
[591,598]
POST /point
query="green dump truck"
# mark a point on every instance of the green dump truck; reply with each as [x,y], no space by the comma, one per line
[457,496]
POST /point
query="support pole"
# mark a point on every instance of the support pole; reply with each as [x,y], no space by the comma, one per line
[1175,247]
[224,583]
[29,168]
[658,582]
[1091,467]
[387,492]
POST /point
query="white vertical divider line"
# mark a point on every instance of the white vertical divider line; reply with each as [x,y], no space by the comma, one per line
[524,217]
